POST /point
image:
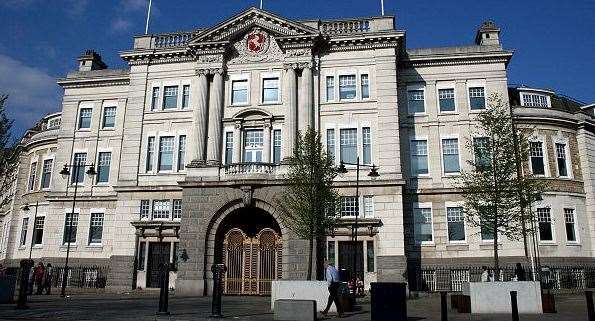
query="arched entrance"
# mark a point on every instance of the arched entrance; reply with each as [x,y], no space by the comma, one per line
[249,244]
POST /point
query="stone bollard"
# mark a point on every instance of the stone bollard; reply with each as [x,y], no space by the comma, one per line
[24,283]
[218,271]
[514,306]
[590,312]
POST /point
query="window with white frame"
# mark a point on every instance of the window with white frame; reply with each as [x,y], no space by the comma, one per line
[228,148]
[185,96]
[536,156]
[330,143]
[161,209]
[170,97]
[349,206]
[276,146]
[487,230]
[366,145]
[270,90]
[446,99]
[155,98]
[330,88]
[368,201]
[253,145]
[103,166]
[24,229]
[482,153]
[419,157]
[416,101]
[365,86]
[150,153]
[456,224]
[422,225]
[534,100]
[78,172]
[32,176]
[145,209]
[85,115]
[348,145]
[96,228]
[570,225]
[239,92]
[177,209]
[561,160]
[347,87]
[450,155]
[71,221]
[477,98]
[38,230]
[544,219]
[181,153]
[109,117]
[166,153]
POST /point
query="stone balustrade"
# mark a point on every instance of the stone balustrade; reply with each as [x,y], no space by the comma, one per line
[243,169]
[177,39]
[344,26]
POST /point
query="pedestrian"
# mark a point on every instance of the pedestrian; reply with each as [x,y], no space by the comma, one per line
[332,279]
[49,275]
[39,273]
[486,275]
[31,279]
[519,272]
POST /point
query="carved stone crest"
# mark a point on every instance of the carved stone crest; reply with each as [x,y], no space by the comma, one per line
[257,41]
[247,197]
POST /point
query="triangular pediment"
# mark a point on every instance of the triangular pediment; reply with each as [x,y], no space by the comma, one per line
[249,19]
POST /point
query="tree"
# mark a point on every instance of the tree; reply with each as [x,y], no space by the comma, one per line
[9,156]
[309,193]
[495,195]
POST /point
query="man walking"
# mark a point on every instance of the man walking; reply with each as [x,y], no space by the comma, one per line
[332,278]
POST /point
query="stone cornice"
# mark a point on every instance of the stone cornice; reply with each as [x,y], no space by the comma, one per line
[450,60]
[67,83]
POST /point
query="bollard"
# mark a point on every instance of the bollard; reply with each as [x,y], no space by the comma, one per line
[514,306]
[590,312]
[24,283]
[443,306]
[164,290]
[218,270]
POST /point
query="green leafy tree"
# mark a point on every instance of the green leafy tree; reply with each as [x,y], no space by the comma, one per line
[309,194]
[496,197]
[9,156]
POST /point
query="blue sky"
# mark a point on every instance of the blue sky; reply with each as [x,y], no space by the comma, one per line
[553,39]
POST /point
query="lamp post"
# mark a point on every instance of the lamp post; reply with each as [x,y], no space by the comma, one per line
[26,208]
[373,174]
[65,172]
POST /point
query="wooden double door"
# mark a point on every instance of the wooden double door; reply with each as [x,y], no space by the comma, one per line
[252,262]
[158,254]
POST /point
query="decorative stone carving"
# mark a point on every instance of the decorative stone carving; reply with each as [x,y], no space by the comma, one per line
[210,58]
[247,196]
[298,52]
[256,46]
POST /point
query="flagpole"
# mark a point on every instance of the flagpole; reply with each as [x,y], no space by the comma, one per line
[148,16]
[382,7]
[260,4]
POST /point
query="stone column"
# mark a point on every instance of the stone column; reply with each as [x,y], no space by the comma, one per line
[306,112]
[237,143]
[199,116]
[266,152]
[290,110]
[215,117]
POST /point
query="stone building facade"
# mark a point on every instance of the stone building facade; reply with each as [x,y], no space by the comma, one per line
[189,145]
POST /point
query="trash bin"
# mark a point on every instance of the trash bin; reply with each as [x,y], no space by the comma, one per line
[345,298]
[7,288]
[389,301]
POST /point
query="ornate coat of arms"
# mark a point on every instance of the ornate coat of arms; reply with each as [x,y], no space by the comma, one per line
[257,42]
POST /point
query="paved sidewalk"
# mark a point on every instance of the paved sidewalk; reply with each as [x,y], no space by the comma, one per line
[142,307]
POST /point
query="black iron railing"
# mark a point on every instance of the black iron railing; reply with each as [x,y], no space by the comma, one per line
[89,277]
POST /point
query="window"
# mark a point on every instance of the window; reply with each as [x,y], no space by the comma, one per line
[330,88]
[415,100]
[331,252]
[277,146]
[170,97]
[534,100]
[32,176]
[348,145]
[446,98]
[161,209]
[78,172]
[46,174]
[536,155]
[370,255]
[368,206]
[366,145]
[181,153]
[487,231]
[365,84]
[85,118]
[419,157]
[38,230]
[24,228]
[228,148]
[330,143]
[482,152]
[422,225]
[109,117]
[544,218]
[253,144]
[177,209]
[141,256]
[155,98]
[54,123]
[569,222]
[96,228]
[270,90]
[103,166]
[71,221]
[477,99]
[150,153]
[145,209]
[239,92]
[450,155]
[456,224]
[349,206]
[347,87]
[185,96]
[166,153]
[561,160]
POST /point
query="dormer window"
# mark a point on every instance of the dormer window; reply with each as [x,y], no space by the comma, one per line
[535,100]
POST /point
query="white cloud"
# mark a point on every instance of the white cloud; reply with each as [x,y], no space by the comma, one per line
[134,5]
[32,92]
[120,24]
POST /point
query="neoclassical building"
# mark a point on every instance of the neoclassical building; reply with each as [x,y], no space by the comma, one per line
[188,144]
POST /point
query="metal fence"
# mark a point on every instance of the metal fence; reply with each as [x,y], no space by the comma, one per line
[433,279]
[89,277]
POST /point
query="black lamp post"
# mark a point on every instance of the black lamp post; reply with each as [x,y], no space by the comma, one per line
[65,172]
[26,208]
[373,174]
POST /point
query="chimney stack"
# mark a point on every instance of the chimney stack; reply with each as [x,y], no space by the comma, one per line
[91,60]
[488,34]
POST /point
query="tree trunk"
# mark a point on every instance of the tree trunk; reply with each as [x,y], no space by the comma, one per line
[496,259]
[310,252]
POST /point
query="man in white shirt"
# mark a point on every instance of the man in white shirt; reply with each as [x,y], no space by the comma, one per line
[332,278]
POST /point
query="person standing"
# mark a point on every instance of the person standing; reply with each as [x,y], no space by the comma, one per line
[486,275]
[39,273]
[49,275]
[332,279]
[519,272]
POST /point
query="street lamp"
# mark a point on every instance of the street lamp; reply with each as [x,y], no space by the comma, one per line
[65,172]
[26,208]
[372,174]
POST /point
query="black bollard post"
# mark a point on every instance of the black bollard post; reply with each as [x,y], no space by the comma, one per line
[164,290]
[443,306]
[218,270]
[590,312]
[514,306]
[24,283]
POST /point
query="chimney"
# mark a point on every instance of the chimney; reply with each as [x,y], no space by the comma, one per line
[488,34]
[91,60]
